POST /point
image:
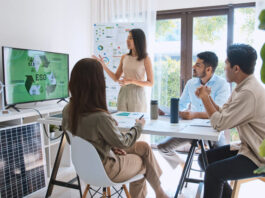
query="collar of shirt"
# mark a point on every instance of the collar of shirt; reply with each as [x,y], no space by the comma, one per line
[241,84]
[210,82]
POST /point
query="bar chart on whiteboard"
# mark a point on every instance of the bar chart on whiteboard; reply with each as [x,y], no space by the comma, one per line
[110,43]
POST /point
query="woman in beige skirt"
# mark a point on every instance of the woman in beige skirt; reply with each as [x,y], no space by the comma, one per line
[87,116]
[134,66]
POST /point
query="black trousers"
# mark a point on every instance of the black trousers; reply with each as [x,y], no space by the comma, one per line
[224,165]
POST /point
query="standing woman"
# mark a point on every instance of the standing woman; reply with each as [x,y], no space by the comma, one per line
[134,66]
[87,116]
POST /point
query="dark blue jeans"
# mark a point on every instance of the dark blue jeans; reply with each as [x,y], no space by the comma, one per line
[224,165]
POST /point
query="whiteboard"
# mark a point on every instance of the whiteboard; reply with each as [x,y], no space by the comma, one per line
[110,43]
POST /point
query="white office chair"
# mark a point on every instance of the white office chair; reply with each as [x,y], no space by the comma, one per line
[89,167]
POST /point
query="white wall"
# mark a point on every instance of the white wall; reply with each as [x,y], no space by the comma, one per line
[179,4]
[50,25]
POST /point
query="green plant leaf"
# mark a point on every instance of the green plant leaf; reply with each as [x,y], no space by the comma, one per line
[262,71]
[260,170]
[262,149]
[262,20]
[262,154]
[262,52]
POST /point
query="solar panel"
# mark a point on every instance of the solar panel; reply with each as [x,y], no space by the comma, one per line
[21,161]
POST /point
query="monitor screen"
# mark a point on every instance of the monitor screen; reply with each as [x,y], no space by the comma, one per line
[33,75]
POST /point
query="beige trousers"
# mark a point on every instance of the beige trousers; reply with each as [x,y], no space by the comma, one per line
[132,98]
[138,160]
[168,148]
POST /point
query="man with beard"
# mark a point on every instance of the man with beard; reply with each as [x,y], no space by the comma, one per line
[191,107]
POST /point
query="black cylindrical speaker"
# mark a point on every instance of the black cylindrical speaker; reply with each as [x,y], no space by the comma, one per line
[174,110]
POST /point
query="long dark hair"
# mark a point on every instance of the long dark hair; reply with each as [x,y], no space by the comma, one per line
[88,90]
[139,41]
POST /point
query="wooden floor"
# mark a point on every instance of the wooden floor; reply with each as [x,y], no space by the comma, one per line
[169,181]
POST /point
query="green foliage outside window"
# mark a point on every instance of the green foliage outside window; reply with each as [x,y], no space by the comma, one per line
[169,70]
[206,28]
[166,30]
[249,25]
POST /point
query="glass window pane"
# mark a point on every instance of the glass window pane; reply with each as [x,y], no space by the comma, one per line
[210,34]
[244,25]
[167,61]
[166,64]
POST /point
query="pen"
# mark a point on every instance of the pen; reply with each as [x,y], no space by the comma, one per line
[141,117]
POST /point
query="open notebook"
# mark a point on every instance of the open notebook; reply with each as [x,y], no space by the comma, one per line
[201,123]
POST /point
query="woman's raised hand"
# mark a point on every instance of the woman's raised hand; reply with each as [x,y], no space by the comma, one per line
[99,59]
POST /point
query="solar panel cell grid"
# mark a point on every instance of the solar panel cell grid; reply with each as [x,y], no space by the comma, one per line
[21,161]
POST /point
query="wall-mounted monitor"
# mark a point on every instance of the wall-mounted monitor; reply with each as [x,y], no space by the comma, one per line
[34,75]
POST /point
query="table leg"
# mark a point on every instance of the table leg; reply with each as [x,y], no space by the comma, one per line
[189,169]
[204,156]
[56,165]
[186,167]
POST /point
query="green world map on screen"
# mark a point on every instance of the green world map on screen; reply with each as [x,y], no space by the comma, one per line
[34,75]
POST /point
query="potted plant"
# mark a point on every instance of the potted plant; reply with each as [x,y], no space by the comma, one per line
[262,75]
[262,154]
[262,52]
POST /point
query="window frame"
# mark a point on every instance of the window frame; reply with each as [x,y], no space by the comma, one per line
[186,15]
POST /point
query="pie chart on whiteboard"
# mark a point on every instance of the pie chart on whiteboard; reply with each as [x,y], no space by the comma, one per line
[100,47]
